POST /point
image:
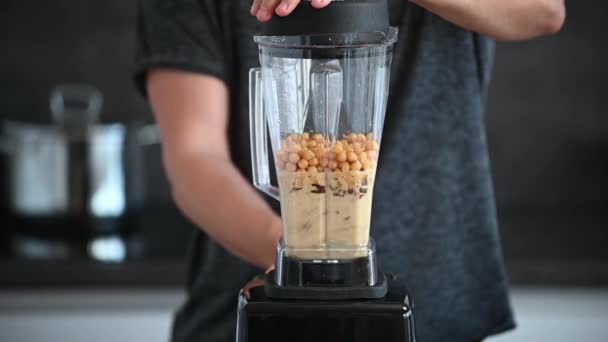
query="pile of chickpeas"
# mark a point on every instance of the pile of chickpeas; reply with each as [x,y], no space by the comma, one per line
[314,153]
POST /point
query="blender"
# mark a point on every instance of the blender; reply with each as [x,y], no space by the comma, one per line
[319,98]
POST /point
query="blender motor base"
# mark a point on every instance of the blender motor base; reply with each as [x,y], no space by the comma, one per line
[273,290]
[264,319]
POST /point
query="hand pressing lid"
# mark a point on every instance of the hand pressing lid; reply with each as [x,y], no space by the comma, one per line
[341,16]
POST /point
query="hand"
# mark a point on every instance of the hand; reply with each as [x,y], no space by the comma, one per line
[255,282]
[265,9]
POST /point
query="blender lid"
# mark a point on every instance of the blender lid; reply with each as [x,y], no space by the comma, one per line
[329,45]
[346,40]
[341,16]
[340,30]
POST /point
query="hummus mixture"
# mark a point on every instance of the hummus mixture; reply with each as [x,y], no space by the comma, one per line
[326,207]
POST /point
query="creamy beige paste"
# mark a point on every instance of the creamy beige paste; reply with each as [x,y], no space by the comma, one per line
[326,214]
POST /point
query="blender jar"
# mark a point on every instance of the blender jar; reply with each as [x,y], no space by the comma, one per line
[323,99]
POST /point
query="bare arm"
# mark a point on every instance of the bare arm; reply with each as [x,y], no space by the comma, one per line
[192,113]
[500,19]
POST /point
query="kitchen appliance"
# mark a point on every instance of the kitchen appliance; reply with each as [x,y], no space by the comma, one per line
[321,93]
[74,185]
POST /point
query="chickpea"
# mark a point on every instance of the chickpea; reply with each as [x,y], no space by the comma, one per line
[311,144]
[294,137]
[338,148]
[351,156]
[370,136]
[372,155]
[293,147]
[357,147]
[345,167]
[319,152]
[305,136]
[356,166]
[333,165]
[341,157]
[304,143]
[291,167]
[323,162]
[318,137]
[303,163]
[293,158]
[349,148]
[361,137]
[373,146]
[362,156]
[308,154]
[312,170]
[367,164]
[313,162]
[282,156]
[351,137]
[281,165]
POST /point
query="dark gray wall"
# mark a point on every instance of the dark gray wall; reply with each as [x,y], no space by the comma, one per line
[48,42]
[547,116]
[547,122]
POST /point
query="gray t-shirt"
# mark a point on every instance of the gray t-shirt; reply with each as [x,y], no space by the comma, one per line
[434,216]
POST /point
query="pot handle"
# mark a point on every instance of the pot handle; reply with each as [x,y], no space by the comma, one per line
[75,105]
[148,135]
[5,145]
[259,137]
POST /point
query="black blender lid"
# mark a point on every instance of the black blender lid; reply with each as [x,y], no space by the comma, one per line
[343,29]
[341,16]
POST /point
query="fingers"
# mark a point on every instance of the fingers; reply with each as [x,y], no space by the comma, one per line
[250,285]
[286,7]
[266,9]
[255,7]
[320,3]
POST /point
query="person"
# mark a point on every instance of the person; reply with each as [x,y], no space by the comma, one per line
[434,217]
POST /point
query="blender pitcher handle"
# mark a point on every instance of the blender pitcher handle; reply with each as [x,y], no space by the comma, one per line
[259,136]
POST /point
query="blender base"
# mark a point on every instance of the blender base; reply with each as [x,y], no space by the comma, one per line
[261,318]
[273,290]
[326,279]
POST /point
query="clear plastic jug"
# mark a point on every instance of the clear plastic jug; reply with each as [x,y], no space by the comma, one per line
[323,99]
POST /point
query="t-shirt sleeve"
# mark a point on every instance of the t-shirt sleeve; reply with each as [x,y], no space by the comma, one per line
[181,34]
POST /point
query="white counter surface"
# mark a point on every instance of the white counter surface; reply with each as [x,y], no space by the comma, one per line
[544,314]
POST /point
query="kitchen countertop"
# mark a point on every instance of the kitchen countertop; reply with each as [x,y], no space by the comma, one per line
[133,315]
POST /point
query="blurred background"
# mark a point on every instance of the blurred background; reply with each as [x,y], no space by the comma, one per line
[547,128]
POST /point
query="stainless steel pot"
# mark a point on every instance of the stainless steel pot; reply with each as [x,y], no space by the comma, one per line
[75,178]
